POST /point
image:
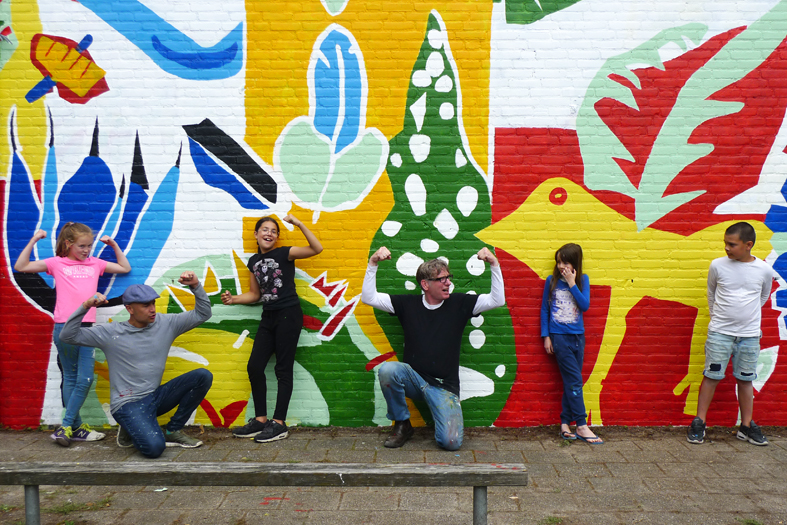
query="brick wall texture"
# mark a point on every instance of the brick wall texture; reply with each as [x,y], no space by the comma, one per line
[640,131]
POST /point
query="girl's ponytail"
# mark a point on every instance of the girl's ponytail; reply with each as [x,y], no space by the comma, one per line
[68,235]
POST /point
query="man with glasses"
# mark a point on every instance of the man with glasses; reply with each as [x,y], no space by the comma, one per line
[433,324]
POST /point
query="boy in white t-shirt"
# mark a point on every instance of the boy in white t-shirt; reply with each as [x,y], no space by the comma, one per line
[738,287]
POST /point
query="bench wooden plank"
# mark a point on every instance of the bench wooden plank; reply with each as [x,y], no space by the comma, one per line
[263,474]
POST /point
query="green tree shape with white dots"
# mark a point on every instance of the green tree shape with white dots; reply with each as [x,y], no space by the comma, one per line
[441,199]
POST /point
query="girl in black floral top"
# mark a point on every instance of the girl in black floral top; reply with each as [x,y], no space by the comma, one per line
[272,282]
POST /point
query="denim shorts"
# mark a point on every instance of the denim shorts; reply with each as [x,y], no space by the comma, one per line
[744,352]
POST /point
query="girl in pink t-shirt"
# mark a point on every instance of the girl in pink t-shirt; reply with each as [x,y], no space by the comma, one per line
[76,276]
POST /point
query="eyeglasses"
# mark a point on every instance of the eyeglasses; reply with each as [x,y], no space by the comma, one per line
[268,230]
[443,279]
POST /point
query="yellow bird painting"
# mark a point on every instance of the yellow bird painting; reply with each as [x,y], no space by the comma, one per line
[634,264]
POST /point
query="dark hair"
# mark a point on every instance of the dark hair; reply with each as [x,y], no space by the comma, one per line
[262,221]
[571,254]
[744,231]
[430,270]
[69,233]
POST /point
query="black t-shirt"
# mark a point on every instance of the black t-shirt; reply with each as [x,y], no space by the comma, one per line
[432,338]
[275,275]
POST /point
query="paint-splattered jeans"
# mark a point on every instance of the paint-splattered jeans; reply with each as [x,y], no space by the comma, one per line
[570,354]
[398,380]
[77,363]
[139,417]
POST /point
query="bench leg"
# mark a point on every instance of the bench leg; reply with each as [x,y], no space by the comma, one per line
[32,505]
[479,505]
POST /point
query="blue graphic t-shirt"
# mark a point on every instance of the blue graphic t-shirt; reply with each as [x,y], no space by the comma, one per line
[275,275]
[562,312]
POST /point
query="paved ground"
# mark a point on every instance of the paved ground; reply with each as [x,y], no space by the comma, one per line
[640,475]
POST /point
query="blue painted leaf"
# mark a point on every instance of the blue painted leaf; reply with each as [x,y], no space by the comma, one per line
[216,176]
[46,247]
[151,235]
[88,196]
[338,88]
[23,212]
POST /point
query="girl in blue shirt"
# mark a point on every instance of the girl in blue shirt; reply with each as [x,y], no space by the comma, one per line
[566,296]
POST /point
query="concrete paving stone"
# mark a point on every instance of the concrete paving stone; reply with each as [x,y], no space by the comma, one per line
[345,443]
[556,457]
[184,498]
[540,470]
[647,456]
[724,502]
[370,500]
[203,454]
[743,470]
[670,485]
[369,443]
[666,502]
[635,470]
[286,517]
[141,499]
[770,485]
[448,456]
[698,453]
[301,456]
[400,455]
[611,485]
[478,443]
[321,499]
[671,518]
[262,497]
[596,455]
[599,518]
[557,485]
[258,454]
[516,444]
[418,518]
[350,456]
[151,517]
[211,517]
[415,501]
[587,470]
[614,502]
[772,503]
[547,502]
[730,486]
[509,456]
[683,470]
[617,444]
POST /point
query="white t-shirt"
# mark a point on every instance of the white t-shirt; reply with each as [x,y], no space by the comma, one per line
[737,292]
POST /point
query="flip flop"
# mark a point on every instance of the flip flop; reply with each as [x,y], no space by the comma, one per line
[589,442]
[568,436]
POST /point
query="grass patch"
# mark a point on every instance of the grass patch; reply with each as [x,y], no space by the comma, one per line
[7,508]
[749,521]
[551,520]
[564,443]
[69,507]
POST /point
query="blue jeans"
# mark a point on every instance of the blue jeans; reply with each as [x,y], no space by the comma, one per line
[139,417]
[570,354]
[744,351]
[398,380]
[77,364]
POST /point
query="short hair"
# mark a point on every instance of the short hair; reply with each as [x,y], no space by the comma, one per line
[744,231]
[430,270]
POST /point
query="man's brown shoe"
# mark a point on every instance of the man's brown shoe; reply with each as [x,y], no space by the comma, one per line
[402,432]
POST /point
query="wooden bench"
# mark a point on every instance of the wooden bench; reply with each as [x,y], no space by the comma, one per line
[476,475]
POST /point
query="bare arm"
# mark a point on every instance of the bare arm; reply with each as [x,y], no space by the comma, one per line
[303,252]
[122,265]
[250,297]
[23,263]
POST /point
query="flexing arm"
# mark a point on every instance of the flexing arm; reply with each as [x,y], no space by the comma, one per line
[303,252]
[250,297]
[23,263]
[186,321]
[73,333]
[496,297]
[122,265]
[369,295]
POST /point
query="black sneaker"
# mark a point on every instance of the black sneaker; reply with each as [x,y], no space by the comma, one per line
[752,434]
[250,429]
[273,432]
[696,432]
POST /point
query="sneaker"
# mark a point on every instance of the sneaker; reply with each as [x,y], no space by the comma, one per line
[250,429]
[752,434]
[85,433]
[180,439]
[62,436]
[124,438]
[272,432]
[696,432]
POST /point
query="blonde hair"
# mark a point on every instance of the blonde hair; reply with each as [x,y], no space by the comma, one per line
[69,233]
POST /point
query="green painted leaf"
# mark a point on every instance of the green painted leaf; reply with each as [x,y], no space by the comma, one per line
[525,12]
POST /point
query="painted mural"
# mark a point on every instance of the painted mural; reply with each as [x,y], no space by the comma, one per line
[433,128]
